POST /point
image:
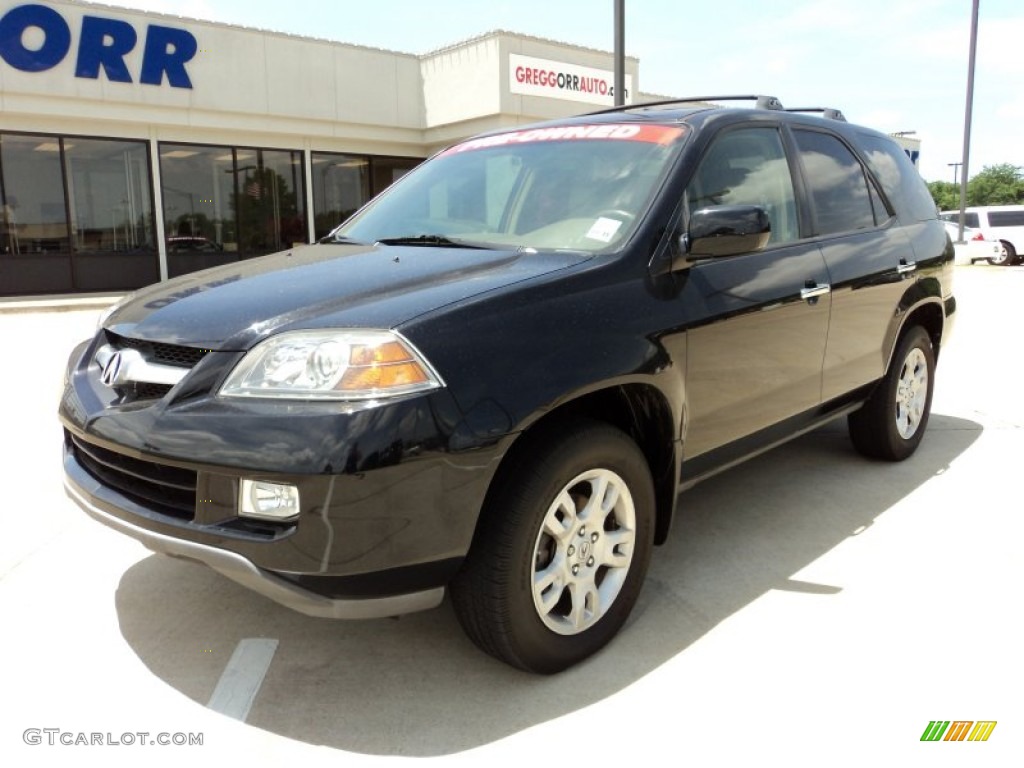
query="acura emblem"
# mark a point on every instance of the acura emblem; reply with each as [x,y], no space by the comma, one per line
[584,551]
[111,370]
[123,366]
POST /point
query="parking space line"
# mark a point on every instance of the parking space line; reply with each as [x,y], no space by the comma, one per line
[238,685]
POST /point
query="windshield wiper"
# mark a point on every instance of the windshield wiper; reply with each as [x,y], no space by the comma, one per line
[438,240]
[340,239]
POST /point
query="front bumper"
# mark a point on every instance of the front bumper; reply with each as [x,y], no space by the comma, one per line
[241,570]
[390,492]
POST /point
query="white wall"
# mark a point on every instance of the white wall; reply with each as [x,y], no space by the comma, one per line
[260,88]
[244,81]
[466,86]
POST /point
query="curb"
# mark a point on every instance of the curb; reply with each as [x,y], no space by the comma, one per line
[57,304]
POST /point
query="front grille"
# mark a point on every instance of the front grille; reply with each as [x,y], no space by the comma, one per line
[154,352]
[168,490]
[158,352]
[145,391]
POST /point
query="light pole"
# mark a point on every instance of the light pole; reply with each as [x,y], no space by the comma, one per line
[955,167]
[967,114]
[620,53]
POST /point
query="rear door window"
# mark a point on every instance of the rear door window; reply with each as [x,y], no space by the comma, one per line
[839,189]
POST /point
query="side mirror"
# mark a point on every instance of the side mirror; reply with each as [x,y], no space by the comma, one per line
[726,230]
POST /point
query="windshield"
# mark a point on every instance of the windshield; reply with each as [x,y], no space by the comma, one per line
[576,187]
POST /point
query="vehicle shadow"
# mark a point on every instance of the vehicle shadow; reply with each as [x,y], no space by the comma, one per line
[416,686]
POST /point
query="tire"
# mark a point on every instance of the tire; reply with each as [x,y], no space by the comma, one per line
[1007,256]
[892,422]
[561,551]
[1012,257]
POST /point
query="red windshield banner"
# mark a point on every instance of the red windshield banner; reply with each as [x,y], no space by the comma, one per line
[651,134]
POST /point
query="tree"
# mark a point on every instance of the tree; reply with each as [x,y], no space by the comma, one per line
[946,194]
[996,185]
[1001,184]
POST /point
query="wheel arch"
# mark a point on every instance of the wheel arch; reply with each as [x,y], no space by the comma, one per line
[641,411]
[921,305]
[930,317]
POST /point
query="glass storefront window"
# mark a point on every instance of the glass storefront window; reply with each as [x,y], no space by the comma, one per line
[222,204]
[36,254]
[341,185]
[112,226]
[388,170]
[198,190]
[271,214]
[76,215]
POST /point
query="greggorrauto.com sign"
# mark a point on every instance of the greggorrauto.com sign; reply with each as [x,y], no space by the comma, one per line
[529,76]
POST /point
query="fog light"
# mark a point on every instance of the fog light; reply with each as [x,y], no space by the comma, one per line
[268,501]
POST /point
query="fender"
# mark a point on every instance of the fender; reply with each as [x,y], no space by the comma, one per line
[924,304]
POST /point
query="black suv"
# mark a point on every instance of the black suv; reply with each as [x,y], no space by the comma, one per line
[498,376]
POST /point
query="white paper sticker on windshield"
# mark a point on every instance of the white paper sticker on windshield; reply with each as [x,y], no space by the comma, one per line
[604,229]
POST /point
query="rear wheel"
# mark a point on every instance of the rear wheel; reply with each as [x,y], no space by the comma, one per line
[892,422]
[1012,257]
[561,553]
[1007,256]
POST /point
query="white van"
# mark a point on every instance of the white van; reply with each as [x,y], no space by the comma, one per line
[1004,223]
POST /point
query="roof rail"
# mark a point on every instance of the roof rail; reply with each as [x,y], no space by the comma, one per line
[827,112]
[762,102]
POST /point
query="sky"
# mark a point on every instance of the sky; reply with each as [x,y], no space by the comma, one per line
[894,65]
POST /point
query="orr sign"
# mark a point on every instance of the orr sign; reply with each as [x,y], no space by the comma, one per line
[36,38]
[529,76]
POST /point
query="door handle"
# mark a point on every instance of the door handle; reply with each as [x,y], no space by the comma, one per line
[812,292]
[906,267]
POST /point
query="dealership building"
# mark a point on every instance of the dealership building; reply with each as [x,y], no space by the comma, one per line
[137,146]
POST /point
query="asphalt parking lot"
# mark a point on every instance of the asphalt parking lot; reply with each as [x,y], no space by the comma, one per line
[811,608]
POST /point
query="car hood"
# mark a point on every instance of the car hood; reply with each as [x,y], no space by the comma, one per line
[321,286]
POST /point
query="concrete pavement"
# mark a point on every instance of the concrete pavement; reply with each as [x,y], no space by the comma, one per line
[811,608]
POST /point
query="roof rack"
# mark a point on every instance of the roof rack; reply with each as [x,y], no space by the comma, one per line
[762,102]
[827,112]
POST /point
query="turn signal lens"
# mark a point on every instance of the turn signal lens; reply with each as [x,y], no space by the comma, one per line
[382,367]
[383,377]
[388,352]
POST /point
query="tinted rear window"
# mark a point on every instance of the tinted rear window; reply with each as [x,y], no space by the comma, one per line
[1006,218]
[899,178]
[970,219]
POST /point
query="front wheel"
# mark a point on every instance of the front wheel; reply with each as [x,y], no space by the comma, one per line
[561,553]
[892,422]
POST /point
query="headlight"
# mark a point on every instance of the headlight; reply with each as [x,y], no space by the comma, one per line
[331,365]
